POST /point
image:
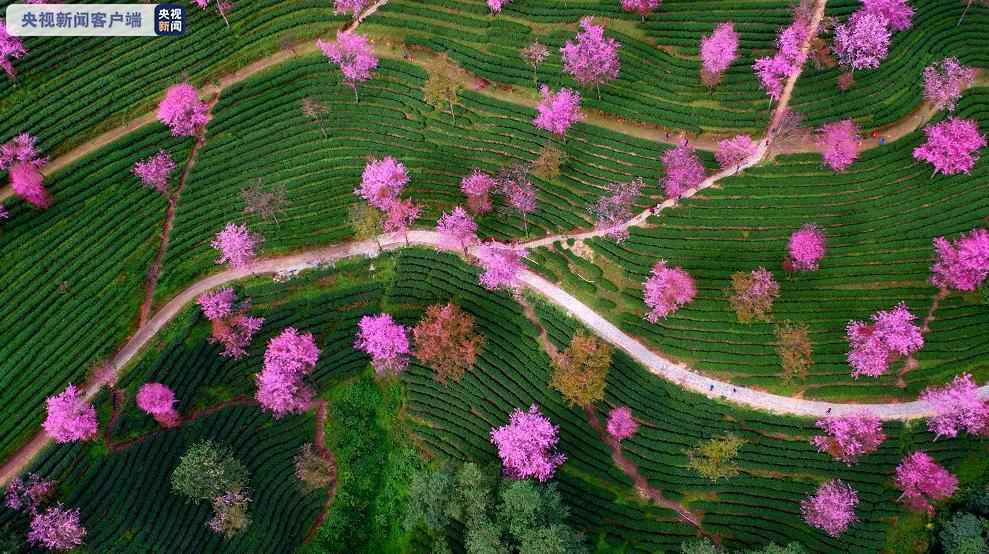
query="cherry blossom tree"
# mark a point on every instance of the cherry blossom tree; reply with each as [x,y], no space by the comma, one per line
[27,495]
[733,152]
[682,169]
[752,294]
[527,445]
[772,72]
[806,248]
[667,290]
[221,6]
[20,158]
[385,341]
[957,407]
[70,418]
[501,264]
[353,7]
[591,59]
[863,41]
[832,508]
[236,244]
[289,357]
[11,47]
[791,40]
[534,55]
[951,146]
[382,181]
[354,54]
[477,188]
[155,171]
[158,401]
[873,347]
[922,480]
[182,111]
[232,327]
[400,215]
[446,341]
[230,516]
[621,424]
[643,7]
[849,437]
[558,111]
[457,229]
[515,186]
[614,209]
[945,81]
[839,144]
[898,13]
[57,528]
[496,5]
[718,51]
[963,265]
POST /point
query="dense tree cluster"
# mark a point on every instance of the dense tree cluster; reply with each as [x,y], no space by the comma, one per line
[922,479]
[558,110]
[20,158]
[501,263]
[237,245]
[839,144]
[832,508]
[952,146]
[873,347]
[232,326]
[580,372]
[386,342]
[158,401]
[592,58]
[210,471]
[962,265]
[682,170]
[667,290]
[445,340]
[847,438]
[182,111]
[752,294]
[70,417]
[718,51]
[957,407]
[945,81]
[289,357]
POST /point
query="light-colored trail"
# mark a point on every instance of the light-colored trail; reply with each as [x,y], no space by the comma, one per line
[677,373]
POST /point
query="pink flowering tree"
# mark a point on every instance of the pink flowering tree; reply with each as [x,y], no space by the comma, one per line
[27,495]
[236,244]
[558,111]
[667,290]
[897,13]
[621,424]
[496,5]
[806,248]
[232,327]
[182,111]
[772,72]
[57,528]
[682,170]
[614,210]
[791,40]
[382,181]
[353,7]
[945,81]
[70,418]
[399,216]
[20,158]
[535,54]
[643,7]
[222,6]
[863,41]
[289,357]
[957,407]
[527,445]
[832,508]
[849,437]
[839,144]
[922,480]
[158,401]
[718,51]
[386,342]
[952,146]
[873,347]
[501,264]
[733,152]
[457,229]
[354,54]
[155,171]
[518,191]
[11,48]
[962,265]
[477,188]
[591,59]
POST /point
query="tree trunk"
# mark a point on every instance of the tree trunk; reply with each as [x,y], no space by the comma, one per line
[967,6]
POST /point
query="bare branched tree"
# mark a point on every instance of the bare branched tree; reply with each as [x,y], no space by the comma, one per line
[265,203]
[315,110]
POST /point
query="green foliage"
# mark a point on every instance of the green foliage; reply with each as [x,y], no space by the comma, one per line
[964,533]
[700,546]
[429,493]
[208,470]
[715,458]
[705,546]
